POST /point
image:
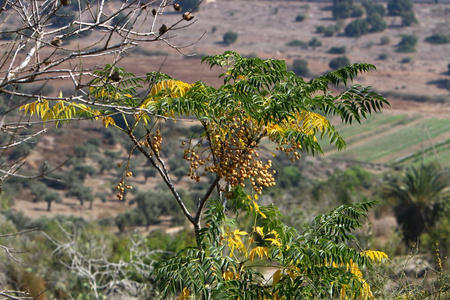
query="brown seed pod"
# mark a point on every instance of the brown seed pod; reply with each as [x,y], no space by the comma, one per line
[65,2]
[177,7]
[162,29]
[154,12]
[57,42]
[188,16]
[143,5]
[115,76]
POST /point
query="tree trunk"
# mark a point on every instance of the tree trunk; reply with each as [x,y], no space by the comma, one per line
[49,205]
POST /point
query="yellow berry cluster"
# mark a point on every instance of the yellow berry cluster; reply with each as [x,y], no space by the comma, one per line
[236,157]
[122,185]
[292,149]
[196,161]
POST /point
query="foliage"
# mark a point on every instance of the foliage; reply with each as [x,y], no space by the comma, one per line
[398,7]
[314,263]
[374,8]
[260,100]
[339,62]
[299,18]
[438,39]
[230,37]
[297,43]
[385,40]
[357,28]
[343,9]
[407,43]
[314,42]
[300,67]
[376,23]
[337,50]
[408,18]
[420,195]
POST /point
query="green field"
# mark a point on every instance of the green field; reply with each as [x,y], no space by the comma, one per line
[395,139]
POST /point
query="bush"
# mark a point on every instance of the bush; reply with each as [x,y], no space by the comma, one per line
[329,31]
[438,39]
[376,23]
[408,18]
[383,56]
[406,60]
[448,69]
[315,42]
[343,9]
[337,50]
[339,62]
[356,28]
[372,8]
[398,7]
[320,29]
[297,43]
[300,67]
[299,18]
[357,11]
[385,40]
[230,37]
[407,43]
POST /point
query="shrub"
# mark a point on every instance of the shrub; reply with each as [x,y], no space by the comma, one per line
[320,29]
[357,11]
[408,18]
[329,31]
[337,50]
[376,23]
[407,43]
[438,39]
[406,60]
[356,28]
[398,7]
[297,43]
[315,42]
[448,69]
[385,40]
[339,62]
[299,18]
[300,67]
[383,56]
[230,37]
[372,8]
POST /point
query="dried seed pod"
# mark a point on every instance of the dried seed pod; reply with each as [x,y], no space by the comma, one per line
[65,2]
[57,42]
[162,29]
[115,76]
[154,12]
[47,61]
[177,7]
[188,16]
[143,5]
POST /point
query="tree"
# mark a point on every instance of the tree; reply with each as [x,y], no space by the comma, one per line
[407,43]
[230,37]
[339,62]
[51,197]
[437,39]
[300,67]
[343,9]
[357,28]
[419,195]
[373,8]
[398,7]
[376,23]
[408,18]
[260,100]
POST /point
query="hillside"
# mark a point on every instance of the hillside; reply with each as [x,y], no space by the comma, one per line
[418,121]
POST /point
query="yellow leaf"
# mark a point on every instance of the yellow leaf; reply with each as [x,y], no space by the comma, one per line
[184,294]
[258,210]
[259,251]
[276,277]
